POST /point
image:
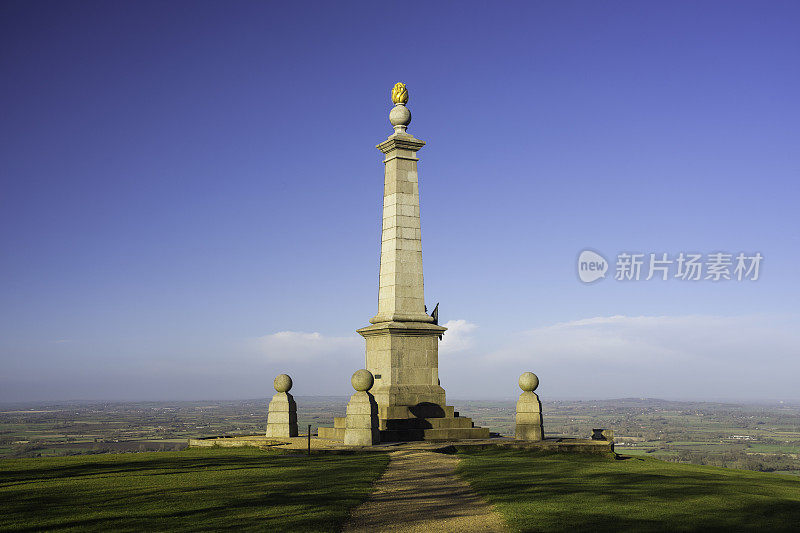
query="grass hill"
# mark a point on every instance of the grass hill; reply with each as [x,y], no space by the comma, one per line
[251,489]
[558,492]
[196,489]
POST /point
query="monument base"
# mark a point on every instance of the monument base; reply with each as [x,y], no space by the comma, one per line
[324,445]
[404,360]
[447,427]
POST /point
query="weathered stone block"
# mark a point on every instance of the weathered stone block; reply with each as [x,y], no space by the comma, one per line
[529,417]
[282,416]
[529,432]
[361,424]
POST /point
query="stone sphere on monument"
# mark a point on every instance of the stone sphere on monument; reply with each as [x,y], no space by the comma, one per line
[282,383]
[400,115]
[362,380]
[528,381]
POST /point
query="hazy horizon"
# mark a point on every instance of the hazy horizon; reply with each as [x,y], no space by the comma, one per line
[790,402]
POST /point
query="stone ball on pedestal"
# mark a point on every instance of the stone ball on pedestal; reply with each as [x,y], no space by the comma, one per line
[282,383]
[528,381]
[362,380]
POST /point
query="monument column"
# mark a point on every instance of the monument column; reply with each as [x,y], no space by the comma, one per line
[402,343]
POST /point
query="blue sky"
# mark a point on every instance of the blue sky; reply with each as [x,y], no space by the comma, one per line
[191,193]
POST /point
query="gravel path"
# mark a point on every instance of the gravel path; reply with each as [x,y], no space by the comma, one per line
[419,492]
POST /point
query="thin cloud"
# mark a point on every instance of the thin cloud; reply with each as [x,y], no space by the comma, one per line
[458,337]
[302,346]
[656,339]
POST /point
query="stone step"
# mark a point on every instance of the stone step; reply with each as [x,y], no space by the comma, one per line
[402,435]
[443,434]
[425,423]
[402,411]
[407,427]
[448,423]
[457,433]
[331,433]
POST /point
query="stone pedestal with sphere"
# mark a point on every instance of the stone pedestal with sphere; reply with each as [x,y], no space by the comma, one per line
[361,422]
[282,415]
[529,410]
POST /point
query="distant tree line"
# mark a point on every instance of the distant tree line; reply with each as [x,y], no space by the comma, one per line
[738,459]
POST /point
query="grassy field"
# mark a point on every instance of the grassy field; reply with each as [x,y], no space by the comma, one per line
[191,490]
[552,492]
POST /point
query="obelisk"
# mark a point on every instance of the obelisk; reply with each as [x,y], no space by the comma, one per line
[402,350]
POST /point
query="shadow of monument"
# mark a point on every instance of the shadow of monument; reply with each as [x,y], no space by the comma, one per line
[414,428]
[427,410]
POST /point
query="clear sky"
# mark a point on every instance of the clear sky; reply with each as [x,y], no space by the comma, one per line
[190,193]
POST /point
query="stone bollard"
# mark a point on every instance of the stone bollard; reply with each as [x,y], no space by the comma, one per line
[361,425]
[529,409]
[282,416]
[603,434]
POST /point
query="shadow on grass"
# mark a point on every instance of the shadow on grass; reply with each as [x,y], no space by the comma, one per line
[186,491]
[555,492]
[34,470]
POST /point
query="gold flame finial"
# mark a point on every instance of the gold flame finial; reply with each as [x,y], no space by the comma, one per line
[399,93]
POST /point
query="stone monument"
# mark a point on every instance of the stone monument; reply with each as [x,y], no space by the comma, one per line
[282,416]
[361,424]
[529,409]
[402,342]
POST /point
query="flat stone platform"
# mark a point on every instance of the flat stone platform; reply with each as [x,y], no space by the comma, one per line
[555,444]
